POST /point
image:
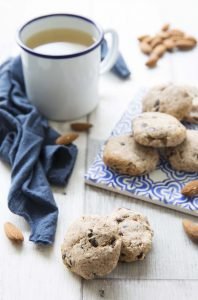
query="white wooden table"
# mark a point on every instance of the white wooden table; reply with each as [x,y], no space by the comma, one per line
[171,269]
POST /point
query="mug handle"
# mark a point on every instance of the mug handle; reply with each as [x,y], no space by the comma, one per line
[112,53]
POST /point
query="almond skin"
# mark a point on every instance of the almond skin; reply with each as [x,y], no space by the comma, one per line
[159,50]
[176,32]
[156,41]
[13,233]
[145,48]
[191,38]
[165,27]
[163,34]
[191,228]
[81,126]
[169,44]
[142,37]
[152,61]
[148,39]
[185,44]
[190,189]
[66,138]
[176,38]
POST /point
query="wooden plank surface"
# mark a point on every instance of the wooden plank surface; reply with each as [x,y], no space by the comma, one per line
[143,290]
[171,269]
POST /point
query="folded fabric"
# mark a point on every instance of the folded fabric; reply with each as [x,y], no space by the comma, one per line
[120,68]
[27,145]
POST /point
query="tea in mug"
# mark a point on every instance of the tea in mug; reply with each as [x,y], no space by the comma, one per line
[60,41]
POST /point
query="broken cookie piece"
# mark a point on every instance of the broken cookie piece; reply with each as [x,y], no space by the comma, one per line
[135,232]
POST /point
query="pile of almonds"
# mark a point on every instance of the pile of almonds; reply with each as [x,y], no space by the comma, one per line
[165,40]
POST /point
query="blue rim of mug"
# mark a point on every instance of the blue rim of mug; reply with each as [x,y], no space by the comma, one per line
[89,49]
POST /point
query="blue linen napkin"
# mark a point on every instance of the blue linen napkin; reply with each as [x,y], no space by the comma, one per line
[120,67]
[27,145]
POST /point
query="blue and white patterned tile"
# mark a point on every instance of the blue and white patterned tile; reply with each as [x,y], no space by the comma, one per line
[161,186]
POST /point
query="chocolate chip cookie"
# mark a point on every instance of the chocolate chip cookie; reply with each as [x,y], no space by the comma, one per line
[168,98]
[135,232]
[185,156]
[125,156]
[157,129]
[192,117]
[92,246]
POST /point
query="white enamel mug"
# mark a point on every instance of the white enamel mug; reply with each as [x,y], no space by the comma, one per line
[65,87]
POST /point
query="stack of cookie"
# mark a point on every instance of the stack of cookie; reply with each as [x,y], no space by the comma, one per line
[93,245]
[158,127]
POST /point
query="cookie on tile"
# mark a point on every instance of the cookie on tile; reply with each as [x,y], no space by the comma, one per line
[157,129]
[123,155]
[92,246]
[192,117]
[170,99]
[135,232]
[185,156]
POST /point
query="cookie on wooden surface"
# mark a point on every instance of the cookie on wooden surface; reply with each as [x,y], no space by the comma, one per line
[91,246]
[135,232]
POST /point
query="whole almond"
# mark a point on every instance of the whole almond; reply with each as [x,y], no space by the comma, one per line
[175,38]
[169,44]
[176,32]
[145,48]
[152,61]
[165,27]
[190,189]
[185,44]
[80,126]
[66,138]
[156,41]
[148,39]
[191,229]
[159,50]
[142,37]
[163,34]
[13,233]
[191,38]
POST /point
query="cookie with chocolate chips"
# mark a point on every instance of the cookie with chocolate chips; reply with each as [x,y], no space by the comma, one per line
[123,155]
[155,129]
[135,232]
[170,99]
[185,156]
[192,117]
[91,246]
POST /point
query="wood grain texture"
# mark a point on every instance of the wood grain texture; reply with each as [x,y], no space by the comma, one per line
[171,269]
[144,290]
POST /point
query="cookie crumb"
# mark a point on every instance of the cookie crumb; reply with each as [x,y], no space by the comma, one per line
[102,293]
